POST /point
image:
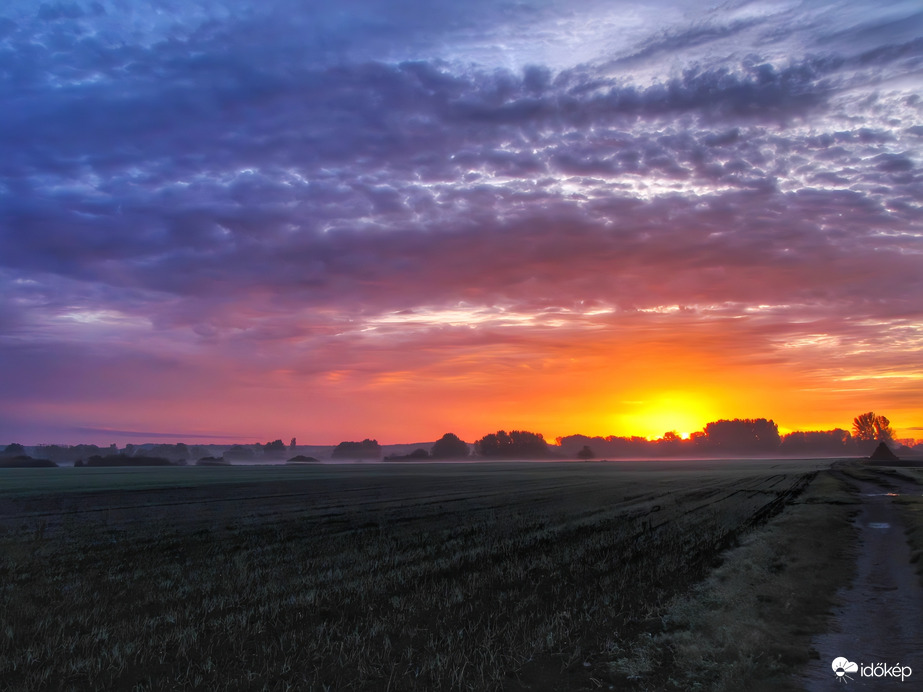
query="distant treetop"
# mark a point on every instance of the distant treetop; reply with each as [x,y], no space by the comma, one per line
[517,444]
[449,446]
[872,427]
[585,453]
[746,434]
[367,449]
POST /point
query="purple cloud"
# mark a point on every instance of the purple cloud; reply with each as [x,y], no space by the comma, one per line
[230,174]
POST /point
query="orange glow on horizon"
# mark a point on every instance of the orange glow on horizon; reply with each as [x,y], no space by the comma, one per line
[664,412]
[633,382]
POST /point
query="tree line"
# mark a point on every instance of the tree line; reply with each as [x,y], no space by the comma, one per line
[745,436]
[736,437]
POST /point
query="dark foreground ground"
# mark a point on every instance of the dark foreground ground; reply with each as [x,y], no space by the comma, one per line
[368,577]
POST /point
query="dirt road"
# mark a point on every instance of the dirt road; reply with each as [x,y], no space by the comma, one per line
[880,620]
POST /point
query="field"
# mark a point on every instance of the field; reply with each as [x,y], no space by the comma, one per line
[370,577]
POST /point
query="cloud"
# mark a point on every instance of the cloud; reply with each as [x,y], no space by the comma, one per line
[220,176]
[108,433]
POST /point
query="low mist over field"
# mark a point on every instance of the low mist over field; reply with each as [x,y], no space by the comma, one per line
[871,436]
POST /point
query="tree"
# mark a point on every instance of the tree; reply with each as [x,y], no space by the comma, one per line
[585,453]
[239,452]
[367,449]
[449,446]
[743,435]
[274,446]
[515,444]
[816,442]
[178,451]
[871,427]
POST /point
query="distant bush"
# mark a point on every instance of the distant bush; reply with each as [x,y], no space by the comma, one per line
[164,451]
[301,458]
[212,461]
[415,455]
[240,452]
[125,460]
[450,446]
[26,462]
[367,449]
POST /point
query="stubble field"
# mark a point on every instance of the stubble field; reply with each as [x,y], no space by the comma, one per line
[367,577]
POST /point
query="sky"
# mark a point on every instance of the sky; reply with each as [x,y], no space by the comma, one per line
[241,221]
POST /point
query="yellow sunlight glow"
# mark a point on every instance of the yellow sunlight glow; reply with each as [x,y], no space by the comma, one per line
[673,411]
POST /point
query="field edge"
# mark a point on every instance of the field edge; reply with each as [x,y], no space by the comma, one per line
[749,624]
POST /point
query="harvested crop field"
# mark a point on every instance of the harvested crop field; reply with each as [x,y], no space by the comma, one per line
[370,576]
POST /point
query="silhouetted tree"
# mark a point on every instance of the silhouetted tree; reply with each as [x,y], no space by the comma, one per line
[515,444]
[274,446]
[292,446]
[671,444]
[743,435]
[212,461]
[124,460]
[239,452]
[367,449]
[871,427]
[14,449]
[449,446]
[178,451]
[83,451]
[813,442]
[585,453]
[24,461]
[611,446]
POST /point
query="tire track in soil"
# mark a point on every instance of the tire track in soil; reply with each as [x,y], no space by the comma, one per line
[880,619]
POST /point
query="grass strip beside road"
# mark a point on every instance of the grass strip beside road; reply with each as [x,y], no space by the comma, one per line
[749,624]
[911,509]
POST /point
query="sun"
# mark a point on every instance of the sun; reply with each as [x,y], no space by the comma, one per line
[673,411]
